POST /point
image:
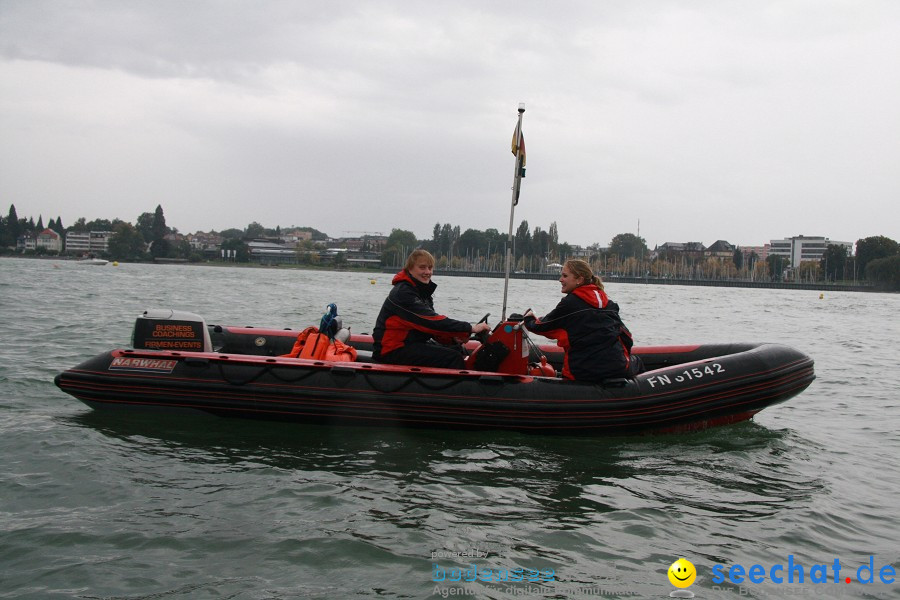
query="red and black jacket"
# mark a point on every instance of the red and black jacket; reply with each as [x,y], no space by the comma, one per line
[407,317]
[587,326]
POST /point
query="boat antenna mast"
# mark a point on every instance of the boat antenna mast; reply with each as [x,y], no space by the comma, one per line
[518,148]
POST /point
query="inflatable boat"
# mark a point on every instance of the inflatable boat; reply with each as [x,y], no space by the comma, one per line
[178,362]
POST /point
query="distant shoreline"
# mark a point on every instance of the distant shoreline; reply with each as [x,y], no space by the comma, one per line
[774,285]
[777,285]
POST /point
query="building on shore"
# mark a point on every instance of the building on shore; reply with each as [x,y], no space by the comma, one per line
[721,251]
[804,248]
[48,239]
[678,250]
[271,252]
[295,235]
[87,242]
[761,252]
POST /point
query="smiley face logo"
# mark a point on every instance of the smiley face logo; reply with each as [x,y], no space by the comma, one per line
[682,573]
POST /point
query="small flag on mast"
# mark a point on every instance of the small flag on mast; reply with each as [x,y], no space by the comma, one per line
[518,141]
[518,150]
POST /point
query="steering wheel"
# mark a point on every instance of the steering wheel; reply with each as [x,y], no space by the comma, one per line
[484,335]
[518,317]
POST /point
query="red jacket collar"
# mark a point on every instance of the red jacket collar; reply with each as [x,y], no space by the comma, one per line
[592,294]
[403,276]
[423,288]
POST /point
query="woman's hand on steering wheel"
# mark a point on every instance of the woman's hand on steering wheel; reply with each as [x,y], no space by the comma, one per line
[481,330]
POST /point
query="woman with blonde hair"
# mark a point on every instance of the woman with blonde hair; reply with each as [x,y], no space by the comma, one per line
[587,326]
[408,325]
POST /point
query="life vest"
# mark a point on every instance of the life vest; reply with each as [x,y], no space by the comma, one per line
[339,351]
[317,346]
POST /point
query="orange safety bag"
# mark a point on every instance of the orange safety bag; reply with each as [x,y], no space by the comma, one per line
[313,345]
[338,350]
[301,341]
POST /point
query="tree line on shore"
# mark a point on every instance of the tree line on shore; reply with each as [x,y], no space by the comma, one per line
[877,258]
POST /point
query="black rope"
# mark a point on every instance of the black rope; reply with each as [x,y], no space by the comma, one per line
[406,381]
[303,374]
[444,386]
[262,371]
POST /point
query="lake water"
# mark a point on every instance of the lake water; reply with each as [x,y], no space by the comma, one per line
[130,506]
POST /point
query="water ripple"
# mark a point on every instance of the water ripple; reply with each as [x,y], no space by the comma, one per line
[100,505]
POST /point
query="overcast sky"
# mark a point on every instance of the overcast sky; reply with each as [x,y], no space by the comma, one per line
[737,120]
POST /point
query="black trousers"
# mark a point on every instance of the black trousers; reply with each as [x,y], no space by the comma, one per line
[426,355]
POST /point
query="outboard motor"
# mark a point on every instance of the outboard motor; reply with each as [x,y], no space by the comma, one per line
[172,330]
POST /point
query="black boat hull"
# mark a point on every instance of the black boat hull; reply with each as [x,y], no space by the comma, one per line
[686,388]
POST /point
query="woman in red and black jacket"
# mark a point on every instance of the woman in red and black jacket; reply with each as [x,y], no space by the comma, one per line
[407,321]
[587,326]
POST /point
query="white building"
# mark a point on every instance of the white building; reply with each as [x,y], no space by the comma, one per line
[94,242]
[271,252]
[47,239]
[294,236]
[26,242]
[204,241]
[50,240]
[803,248]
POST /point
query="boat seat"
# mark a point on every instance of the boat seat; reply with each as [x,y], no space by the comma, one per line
[226,342]
[364,356]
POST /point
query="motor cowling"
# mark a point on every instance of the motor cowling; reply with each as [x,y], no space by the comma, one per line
[171,330]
